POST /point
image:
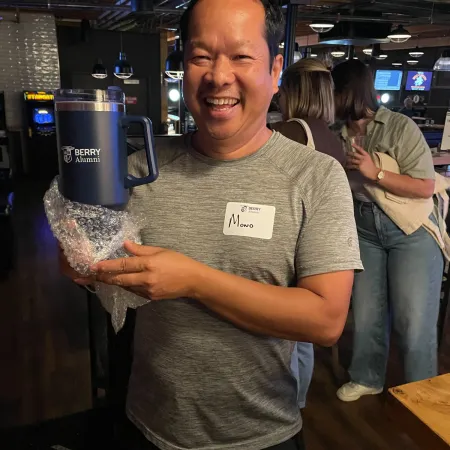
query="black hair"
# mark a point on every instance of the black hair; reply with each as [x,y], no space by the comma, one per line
[354,90]
[274,25]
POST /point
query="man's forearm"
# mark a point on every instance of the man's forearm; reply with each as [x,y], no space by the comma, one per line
[289,313]
[406,186]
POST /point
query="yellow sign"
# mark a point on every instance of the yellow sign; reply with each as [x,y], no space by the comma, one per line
[38,96]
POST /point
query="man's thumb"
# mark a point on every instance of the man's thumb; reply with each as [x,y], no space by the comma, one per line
[140,250]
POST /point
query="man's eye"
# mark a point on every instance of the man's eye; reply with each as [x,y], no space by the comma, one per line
[242,57]
[200,58]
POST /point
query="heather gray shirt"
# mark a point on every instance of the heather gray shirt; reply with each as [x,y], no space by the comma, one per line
[283,213]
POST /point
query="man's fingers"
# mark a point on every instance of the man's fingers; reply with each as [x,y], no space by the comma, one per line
[141,250]
[120,265]
[128,280]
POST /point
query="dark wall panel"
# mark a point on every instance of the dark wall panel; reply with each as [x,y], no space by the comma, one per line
[77,56]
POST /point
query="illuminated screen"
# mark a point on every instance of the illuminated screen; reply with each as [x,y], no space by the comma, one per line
[419,81]
[40,96]
[43,116]
[388,80]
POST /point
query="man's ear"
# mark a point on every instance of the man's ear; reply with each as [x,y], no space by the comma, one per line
[277,67]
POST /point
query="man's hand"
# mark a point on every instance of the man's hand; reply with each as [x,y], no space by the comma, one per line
[152,272]
[362,161]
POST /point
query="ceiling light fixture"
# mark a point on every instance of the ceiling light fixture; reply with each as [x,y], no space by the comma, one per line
[412,62]
[122,68]
[443,63]
[321,27]
[337,53]
[382,56]
[399,35]
[416,53]
[174,63]
[368,51]
[397,63]
[99,70]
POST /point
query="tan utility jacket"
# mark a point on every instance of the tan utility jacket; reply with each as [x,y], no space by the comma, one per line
[409,214]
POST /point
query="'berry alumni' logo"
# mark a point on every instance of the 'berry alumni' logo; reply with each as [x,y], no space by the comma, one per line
[82,155]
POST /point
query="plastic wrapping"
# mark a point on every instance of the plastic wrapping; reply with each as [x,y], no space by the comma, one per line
[89,234]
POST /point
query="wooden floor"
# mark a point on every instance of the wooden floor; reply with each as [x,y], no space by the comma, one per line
[44,357]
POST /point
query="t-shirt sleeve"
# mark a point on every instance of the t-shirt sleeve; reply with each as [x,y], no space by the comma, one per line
[414,156]
[328,240]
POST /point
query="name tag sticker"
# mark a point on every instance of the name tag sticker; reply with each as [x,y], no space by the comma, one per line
[245,219]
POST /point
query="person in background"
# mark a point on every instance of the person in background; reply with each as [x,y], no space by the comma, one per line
[407,109]
[306,102]
[307,105]
[403,272]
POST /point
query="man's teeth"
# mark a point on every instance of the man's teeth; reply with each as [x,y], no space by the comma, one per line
[222,101]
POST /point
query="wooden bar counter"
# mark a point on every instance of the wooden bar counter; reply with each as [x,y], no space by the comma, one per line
[422,410]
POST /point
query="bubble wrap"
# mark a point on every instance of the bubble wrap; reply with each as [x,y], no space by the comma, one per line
[89,234]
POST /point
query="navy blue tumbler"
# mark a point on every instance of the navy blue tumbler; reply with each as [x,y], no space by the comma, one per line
[92,150]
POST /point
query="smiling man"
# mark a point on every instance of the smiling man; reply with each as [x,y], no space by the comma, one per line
[250,245]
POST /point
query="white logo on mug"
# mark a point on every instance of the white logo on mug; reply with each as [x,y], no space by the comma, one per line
[67,152]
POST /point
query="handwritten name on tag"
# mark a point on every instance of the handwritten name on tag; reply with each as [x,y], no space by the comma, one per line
[249,220]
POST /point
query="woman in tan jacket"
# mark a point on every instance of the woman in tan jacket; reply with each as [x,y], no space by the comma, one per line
[402,279]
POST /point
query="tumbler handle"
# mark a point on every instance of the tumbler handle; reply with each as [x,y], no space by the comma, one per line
[130,180]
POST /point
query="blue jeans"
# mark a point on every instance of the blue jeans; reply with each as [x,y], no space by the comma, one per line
[302,366]
[401,284]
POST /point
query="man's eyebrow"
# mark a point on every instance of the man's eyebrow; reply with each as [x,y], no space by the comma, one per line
[196,43]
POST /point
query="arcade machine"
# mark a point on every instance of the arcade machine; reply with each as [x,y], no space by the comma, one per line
[41,154]
[6,198]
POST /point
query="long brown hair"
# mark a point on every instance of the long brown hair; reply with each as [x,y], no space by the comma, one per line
[308,90]
[355,94]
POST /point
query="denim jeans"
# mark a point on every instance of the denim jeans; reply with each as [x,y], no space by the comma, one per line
[401,285]
[302,366]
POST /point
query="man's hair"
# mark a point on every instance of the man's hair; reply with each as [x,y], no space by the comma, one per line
[355,94]
[274,25]
[308,91]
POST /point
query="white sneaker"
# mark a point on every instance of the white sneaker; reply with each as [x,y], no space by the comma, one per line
[350,392]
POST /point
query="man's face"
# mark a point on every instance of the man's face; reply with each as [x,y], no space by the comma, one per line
[228,84]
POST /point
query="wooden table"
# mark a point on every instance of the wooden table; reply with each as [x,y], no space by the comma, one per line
[422,410]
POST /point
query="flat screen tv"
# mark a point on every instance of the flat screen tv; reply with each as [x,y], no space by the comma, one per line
[388,80]
[418,81]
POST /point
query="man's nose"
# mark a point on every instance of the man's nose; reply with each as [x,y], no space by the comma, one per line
[220,73]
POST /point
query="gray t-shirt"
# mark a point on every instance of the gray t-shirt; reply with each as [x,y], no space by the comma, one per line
[198,381]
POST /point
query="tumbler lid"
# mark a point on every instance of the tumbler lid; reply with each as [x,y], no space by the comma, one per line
[112,95]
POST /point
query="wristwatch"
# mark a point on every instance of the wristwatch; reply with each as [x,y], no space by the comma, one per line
[380,175]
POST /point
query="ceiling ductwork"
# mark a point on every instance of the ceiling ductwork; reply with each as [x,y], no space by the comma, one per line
[143,6]
[153,15]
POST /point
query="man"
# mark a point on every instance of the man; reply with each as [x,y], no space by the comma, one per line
[250,244]
[407,109]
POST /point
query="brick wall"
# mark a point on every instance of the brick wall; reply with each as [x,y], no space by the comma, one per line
[28,60]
